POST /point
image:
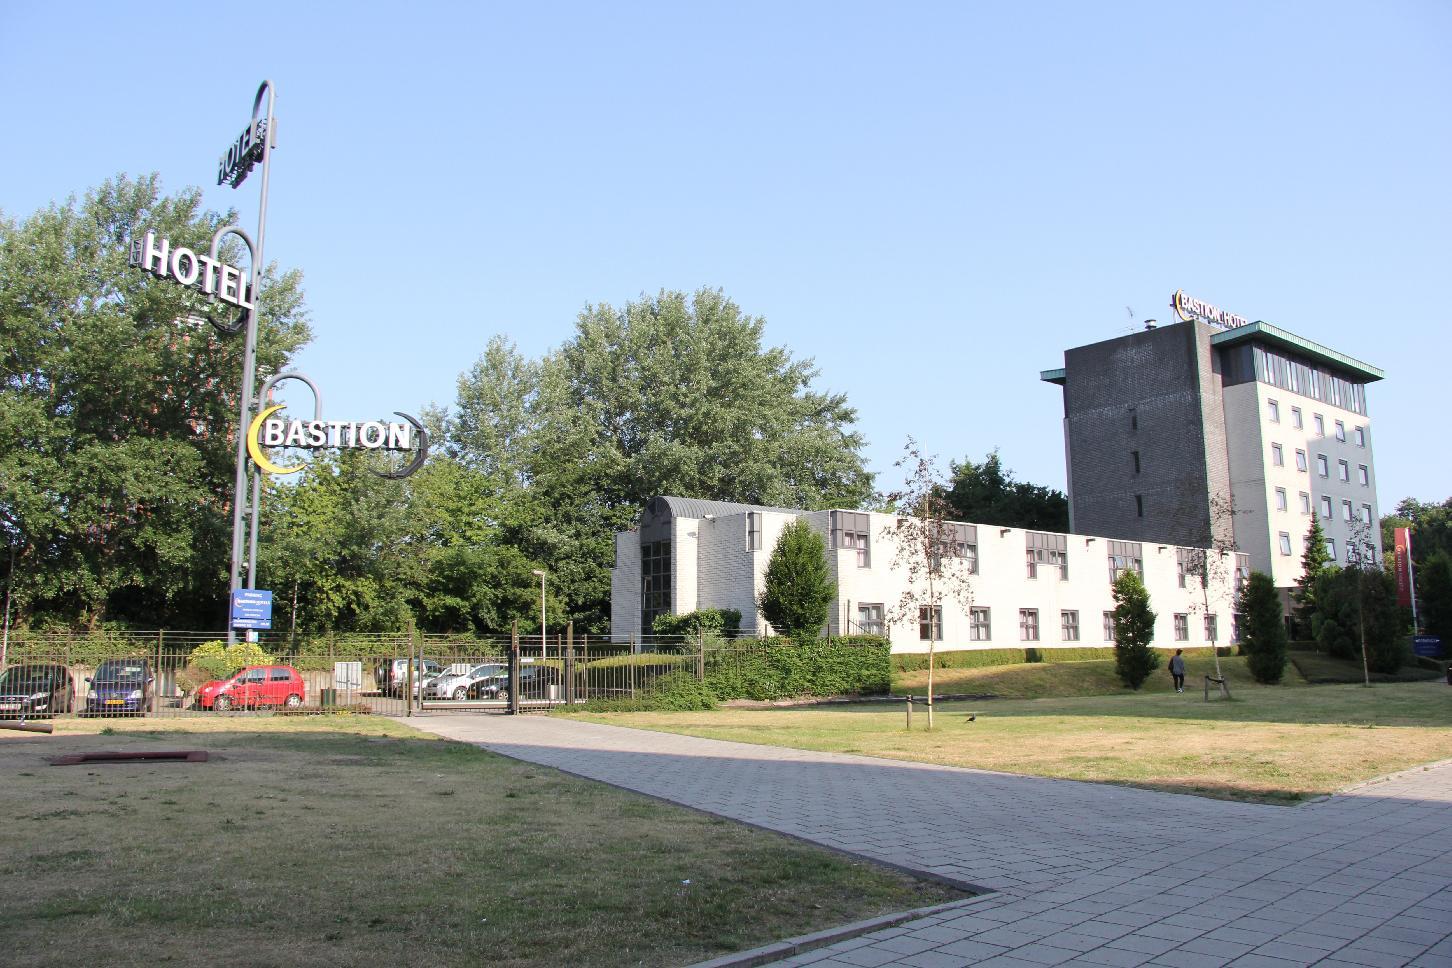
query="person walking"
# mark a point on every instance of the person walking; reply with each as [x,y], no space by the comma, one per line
[1177,669]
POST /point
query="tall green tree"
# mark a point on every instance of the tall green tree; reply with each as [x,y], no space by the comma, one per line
[1434,595]
[797,589]
[118,411]
[1134,630]
[1431,525]
[671,394]
[988,493]
[1262,628]
[1315,560]
[1357,616]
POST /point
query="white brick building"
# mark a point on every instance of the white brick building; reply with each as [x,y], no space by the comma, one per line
[1030,589]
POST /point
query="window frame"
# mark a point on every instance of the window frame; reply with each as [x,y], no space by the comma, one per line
[1069,624]
[1182,626]
[1028,625]
[980,624]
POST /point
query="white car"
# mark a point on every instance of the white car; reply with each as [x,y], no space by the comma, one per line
[455,681]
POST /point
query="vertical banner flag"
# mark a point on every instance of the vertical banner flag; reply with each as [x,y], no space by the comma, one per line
[1403,546]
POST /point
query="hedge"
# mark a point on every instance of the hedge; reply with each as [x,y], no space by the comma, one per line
[722,621]
[780,669]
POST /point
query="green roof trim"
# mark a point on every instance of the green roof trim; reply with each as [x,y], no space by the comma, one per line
[1274,335]
[1053,376]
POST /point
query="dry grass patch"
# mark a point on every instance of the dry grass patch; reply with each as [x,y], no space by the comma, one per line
[358,841]
[1269,745]
[1047,680]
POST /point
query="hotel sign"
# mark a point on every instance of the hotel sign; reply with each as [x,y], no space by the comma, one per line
[205,273]
[1188,308]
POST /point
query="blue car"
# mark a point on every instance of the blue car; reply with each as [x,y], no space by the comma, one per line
[120,686]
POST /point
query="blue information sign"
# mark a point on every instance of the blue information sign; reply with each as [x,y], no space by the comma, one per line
[251,608]
[1428,645]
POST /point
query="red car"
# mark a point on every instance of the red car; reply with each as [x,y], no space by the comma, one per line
[254,686]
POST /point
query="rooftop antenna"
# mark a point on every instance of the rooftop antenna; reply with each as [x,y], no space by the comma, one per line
[1130,327]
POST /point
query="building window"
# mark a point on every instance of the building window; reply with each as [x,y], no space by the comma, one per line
[930,623]
[1242,571]
[1296,418]
[1325,506]
[1278,456]
[1234,627]
[970,555]
[655,580]
[1133,419]
[1028,624]
[1182,627]
[869,619]
[1346,511]
[1305,503]
[1343,471]
[1275,411]
[1320,422]
[1124,555]
[1363,475]
[1285,543]
[1069,625]
[1301,461]
[753,531]
[1182,565]
[1366,514]
[849,531]
[1341,431]
[980,625]
[1280,499]
[1331,548]
[1139,505]
[1212,628]
[1135,455]
[1109,626]
[1323,467]
[1050,551]
[1361,436]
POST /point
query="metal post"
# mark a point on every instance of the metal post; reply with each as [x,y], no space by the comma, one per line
[543,642]
[156,676]
[249,373]
[909,713]
[514,669]
[569,671]
[700,655]
[9,583]
[408,680]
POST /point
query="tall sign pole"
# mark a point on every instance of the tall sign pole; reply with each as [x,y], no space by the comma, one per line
[255,143]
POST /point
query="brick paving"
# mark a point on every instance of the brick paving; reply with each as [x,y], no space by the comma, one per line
[1080,873]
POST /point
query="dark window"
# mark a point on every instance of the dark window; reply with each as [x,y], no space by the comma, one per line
[1109,626]
[281,675]
[930,623]
[1139,505]
[1135,455]
[753,531]
[869,619]
[655,580]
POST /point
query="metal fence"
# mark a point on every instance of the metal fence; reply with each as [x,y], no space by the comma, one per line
[170,674]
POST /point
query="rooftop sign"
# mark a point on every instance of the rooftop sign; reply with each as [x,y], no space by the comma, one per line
[1188,308]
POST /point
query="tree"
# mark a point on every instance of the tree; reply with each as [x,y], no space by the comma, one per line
[1434,592]
[1262,628]
[1211,568]
[1134,630]
[118,409]
[1315,559]
[1357,615]
[671,394]
[1431,526]
[930,553]
[987,493]
[797,591]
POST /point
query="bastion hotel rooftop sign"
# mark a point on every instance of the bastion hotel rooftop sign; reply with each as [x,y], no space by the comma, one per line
[1188,308]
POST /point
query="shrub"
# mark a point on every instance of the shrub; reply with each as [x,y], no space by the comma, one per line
[773,669]
[1353,602]
[217,660]
[720,621]
[677,691]
[1263,628]
[1134,630]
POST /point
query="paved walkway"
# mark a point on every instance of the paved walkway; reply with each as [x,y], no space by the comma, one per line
[1081,873]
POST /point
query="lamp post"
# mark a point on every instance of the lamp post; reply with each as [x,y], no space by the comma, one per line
[543,642]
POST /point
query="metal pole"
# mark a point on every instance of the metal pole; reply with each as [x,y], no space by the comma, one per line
[249,373]
[9,584]
[543,642]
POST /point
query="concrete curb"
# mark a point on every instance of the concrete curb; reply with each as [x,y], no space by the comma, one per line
[778,950]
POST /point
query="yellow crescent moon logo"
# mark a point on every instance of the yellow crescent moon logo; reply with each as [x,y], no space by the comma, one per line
[1177,303]
[255,449]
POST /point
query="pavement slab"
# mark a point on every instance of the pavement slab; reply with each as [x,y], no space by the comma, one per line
[1125,876]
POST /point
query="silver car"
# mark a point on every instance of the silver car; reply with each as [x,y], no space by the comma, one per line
[456,680]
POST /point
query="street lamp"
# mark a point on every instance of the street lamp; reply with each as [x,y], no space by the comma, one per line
[543,646]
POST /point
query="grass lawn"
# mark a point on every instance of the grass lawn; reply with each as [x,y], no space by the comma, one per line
[1043,680]
[359,841]
[1270,744]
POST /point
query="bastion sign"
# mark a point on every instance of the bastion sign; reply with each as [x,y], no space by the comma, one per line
[268,430]
[1188,308]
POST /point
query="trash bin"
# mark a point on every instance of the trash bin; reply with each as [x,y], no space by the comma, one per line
[329,697]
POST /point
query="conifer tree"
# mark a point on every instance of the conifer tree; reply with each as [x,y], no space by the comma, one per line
[1134,630]
[1262,628]
[1314,561]
[798,590]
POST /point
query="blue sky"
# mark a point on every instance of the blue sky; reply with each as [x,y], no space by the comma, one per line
[931,200]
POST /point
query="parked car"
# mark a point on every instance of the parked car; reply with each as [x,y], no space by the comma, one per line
[36,689]
[534,683]
[120,686]
[255,686]
[391,675]
[454,684]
